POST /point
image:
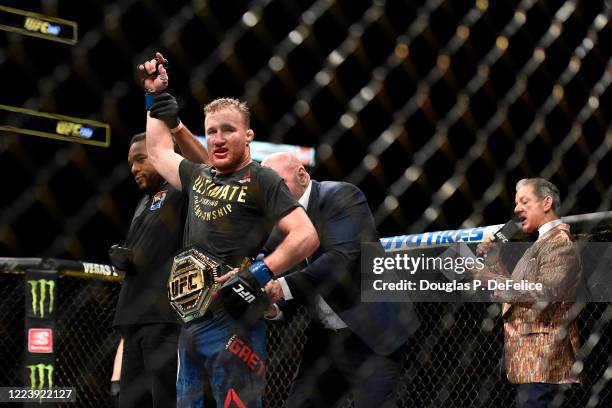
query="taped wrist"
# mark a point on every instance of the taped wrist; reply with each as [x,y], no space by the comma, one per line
[262,273]
[149,99]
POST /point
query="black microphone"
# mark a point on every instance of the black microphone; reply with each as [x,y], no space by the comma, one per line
[505,234]
[508,231]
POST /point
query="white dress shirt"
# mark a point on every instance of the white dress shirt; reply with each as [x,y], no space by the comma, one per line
[544,228]
[327,316]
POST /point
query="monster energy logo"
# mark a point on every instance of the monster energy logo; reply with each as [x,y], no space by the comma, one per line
[41,375]
[41,289]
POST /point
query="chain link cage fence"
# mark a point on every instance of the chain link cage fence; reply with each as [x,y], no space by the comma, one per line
[84,346]
[453,360]
[434,108]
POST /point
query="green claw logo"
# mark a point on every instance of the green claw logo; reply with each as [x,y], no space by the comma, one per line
[41,375]
[39,289]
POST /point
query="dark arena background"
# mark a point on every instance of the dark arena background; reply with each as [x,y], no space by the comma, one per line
[434,108]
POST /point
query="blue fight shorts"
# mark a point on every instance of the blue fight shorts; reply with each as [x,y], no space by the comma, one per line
[228,355]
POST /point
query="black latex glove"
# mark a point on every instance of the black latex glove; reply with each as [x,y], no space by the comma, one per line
[165,108]
[121,257]
[114,392]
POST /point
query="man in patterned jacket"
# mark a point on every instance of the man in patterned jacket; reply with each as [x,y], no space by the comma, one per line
[540,338]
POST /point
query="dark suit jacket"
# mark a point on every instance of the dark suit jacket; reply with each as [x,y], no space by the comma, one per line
[343,220]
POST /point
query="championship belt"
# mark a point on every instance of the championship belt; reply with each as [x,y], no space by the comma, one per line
[192,286]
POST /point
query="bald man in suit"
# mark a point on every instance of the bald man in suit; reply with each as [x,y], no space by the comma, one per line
[351,346]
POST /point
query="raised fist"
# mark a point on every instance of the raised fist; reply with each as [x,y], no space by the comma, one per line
[154,74]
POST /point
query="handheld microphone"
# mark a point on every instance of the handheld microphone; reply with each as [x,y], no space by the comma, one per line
[507,231]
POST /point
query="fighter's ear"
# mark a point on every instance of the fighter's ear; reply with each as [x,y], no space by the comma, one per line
[250,136]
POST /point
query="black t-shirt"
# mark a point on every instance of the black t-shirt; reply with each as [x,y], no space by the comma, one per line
[231,215]
[155,236]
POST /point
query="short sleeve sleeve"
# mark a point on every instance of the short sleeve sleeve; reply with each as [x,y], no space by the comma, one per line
[187,172]
[274,196]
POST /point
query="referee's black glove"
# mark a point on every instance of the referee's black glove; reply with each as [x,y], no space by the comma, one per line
[165,108]
[121,258]
[114,392]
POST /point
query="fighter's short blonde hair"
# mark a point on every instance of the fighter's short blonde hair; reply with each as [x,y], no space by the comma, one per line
[224,103]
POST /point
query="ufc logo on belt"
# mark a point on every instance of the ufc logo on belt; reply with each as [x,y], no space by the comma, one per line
[245,294]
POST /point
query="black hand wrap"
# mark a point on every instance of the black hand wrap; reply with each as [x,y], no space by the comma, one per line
[243,297]
[165,108]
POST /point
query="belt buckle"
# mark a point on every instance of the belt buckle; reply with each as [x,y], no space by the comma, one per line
[192,285]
